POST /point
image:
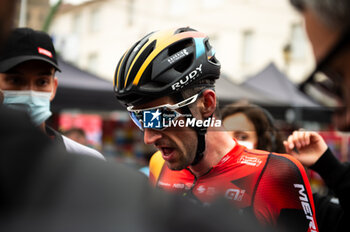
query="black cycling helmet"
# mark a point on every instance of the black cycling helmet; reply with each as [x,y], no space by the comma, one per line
[163,63]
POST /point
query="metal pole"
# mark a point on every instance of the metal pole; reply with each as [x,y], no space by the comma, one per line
[23,14]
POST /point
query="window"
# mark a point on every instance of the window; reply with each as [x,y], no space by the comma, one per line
[92,63]
[247,46]
[95,18]
[298,42]
[77,23]
[131,12]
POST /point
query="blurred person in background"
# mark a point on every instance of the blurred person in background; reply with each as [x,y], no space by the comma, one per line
[254,127]
[77,134]
[327,25]
[169,77]
[27,78]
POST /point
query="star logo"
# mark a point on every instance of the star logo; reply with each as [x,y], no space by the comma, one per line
[156,115]
[152,119]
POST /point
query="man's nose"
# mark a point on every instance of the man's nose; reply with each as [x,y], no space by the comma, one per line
[30,85]
[150,136]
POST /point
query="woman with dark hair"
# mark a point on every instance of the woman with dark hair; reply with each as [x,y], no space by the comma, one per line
[252,126]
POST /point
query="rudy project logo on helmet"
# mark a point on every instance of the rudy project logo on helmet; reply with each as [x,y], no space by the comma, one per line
[187,79]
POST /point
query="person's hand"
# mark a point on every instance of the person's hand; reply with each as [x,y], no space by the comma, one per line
[306,146]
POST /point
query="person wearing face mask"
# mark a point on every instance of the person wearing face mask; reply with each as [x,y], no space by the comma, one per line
[27,79]
[252,126]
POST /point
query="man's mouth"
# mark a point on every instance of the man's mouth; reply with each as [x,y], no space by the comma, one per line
[167,150]
[167,153]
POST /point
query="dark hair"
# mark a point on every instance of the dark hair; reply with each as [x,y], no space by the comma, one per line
[269,138]
[335,13]
[206,83]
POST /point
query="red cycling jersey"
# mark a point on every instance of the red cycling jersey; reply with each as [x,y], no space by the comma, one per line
[274,186]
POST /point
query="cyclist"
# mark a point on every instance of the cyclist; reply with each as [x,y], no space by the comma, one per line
[167,82]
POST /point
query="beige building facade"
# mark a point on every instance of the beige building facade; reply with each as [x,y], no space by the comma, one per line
[247,34]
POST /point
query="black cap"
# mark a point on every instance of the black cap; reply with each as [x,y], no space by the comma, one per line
[26,44]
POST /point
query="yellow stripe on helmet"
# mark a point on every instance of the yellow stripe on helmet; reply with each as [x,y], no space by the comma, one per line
[163,41]
[155,36]
[116,80]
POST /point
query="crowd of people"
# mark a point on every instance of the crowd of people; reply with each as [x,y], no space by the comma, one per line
[238,175]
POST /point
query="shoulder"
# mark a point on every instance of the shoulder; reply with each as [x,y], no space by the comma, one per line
[155,166]
[285,168]
[72,146]
[285,160]
[275,164]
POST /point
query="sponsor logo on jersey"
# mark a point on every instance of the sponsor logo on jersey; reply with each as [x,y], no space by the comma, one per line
[201,189]
[235,194]
[161,183]
[306,206]
[251,161]
[178,185]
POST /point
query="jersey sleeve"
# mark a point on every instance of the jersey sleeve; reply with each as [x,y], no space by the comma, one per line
[155,167]
[283,195]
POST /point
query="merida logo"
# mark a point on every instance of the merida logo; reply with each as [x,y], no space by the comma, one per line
[188,78]
[306,206]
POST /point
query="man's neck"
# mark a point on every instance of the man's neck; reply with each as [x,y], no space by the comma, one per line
[218,144]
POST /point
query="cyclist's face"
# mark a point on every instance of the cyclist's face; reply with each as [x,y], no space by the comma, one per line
[323,39]
[241,128]
[30,75]
[177,144]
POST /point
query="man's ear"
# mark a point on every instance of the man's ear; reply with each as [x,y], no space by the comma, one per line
[54,88]
[208,104]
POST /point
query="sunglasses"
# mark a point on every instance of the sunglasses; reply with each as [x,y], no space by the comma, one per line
[324,85]
[159,117]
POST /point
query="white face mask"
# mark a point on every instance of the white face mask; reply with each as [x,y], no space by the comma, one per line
[36,104]
[247,144]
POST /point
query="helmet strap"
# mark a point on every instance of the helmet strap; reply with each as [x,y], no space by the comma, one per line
[200,131]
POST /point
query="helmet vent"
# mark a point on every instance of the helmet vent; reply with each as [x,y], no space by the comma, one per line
[183,29]
[210,53]
[186,62]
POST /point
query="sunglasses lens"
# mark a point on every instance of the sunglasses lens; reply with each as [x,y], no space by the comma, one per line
[137,119]
[170,115]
